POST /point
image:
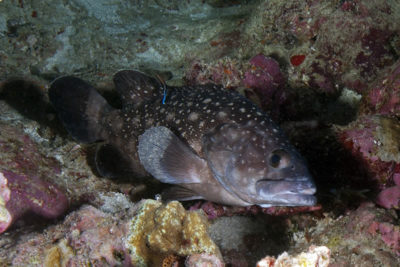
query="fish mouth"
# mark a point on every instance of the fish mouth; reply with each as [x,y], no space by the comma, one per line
[294,192]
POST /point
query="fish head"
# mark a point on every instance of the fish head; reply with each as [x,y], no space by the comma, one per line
[258,165]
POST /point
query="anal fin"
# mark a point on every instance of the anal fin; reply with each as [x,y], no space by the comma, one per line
[179,193]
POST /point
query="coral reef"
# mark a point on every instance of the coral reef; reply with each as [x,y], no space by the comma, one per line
[315,54]
[390,197]
[20,153]
[384,96]
[20,194]
[87,236]
[268,82]
[93,237]
[330,54]
[371,233]
[374,140]
[214,210]
[225,71]
[158,231]
[351,53]
[24,174]
[264,74]
[315,257]
[203,260]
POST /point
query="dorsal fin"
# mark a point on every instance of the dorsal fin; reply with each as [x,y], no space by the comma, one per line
[134,86]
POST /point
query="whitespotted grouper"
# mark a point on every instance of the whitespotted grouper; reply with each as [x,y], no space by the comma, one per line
[209,142]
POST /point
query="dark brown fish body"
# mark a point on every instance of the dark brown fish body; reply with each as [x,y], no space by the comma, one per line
[210,142]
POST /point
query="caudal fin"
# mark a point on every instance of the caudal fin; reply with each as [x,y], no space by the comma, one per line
[80,108]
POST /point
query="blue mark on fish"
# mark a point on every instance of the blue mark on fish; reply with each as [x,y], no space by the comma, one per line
[164,95]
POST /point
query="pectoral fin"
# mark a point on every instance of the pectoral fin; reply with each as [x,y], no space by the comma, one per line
[169,159]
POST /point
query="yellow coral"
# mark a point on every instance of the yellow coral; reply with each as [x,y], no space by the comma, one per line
[53,257]
[161,230]
[58,255]
[170,261]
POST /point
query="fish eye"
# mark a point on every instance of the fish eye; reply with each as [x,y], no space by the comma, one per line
[279,159]
[274,160]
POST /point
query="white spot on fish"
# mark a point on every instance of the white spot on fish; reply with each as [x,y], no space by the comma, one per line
[170,116]
[222,115]
[207,100]
[193,116]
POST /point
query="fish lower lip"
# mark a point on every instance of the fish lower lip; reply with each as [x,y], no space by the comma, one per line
[309,191]
[300,186]
[287,193]
[292,200]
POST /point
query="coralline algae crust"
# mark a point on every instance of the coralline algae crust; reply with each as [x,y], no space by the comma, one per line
[5,216]
[316,256]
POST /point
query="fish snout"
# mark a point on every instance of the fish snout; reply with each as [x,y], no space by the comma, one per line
[299,192]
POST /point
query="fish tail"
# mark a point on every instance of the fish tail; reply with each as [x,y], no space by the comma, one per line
[80,108]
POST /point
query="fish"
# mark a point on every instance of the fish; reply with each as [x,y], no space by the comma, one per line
[206,141]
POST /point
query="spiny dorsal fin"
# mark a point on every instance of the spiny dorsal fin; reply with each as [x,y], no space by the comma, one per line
[134,86]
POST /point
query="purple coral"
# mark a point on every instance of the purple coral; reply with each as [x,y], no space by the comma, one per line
[390,234]
[384,97]
[266,78]
[390,197]
[373,141]
[264,75]
[20,194]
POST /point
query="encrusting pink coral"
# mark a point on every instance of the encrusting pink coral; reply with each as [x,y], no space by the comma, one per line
[266,77]
[390,197]
[374,141]
[20,194]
